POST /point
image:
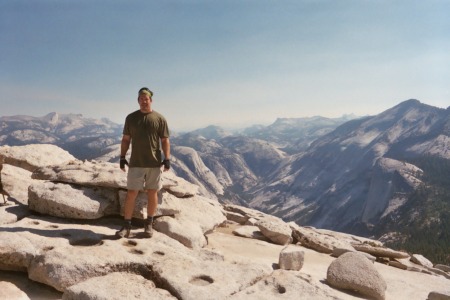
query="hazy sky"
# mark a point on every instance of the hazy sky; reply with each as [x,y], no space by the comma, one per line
[228,63]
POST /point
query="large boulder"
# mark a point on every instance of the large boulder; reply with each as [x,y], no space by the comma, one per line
[14,184]
[74,202]
[353,271]
[207,213]
[105,174]
[16,251]
[86,173]
[31,157]
[196,216]
[178,186]
[187,232]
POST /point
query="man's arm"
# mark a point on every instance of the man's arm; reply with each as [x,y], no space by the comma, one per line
[165,144]
[124,146]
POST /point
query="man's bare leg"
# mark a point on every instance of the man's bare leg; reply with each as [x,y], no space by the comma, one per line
[128,213]
[129,204]
[152,202]
[152,205]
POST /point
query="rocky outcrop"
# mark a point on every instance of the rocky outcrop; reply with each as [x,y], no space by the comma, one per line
[380,251]
[33,156]
[421,260]
[282,284]
[325,241]
[67,242]
[117,286]
[275,230]
[70,201]
[443,268]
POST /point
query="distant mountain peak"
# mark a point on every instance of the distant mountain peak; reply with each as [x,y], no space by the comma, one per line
[413,103]
[212,132]
[52,118]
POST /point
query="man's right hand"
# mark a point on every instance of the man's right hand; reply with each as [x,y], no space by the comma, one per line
[123,162]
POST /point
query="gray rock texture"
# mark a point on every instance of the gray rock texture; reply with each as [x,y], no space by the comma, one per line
[353,271]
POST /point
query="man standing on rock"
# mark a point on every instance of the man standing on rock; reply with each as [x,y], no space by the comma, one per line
[147,131]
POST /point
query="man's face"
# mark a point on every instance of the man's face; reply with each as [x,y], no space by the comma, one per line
[144,102]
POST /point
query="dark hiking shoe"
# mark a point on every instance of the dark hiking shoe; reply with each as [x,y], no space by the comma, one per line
[148,229]
[124,231]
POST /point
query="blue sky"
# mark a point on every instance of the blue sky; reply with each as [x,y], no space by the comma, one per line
[228,63]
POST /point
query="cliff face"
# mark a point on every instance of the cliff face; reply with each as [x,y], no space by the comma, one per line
[61,232]
[360,173]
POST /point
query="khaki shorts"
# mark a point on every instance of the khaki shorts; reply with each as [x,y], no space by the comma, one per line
[144,178]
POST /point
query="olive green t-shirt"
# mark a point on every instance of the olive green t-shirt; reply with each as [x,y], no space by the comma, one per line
[146,131]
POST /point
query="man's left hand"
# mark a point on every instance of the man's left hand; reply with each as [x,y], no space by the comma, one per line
[123,162]
[166,164]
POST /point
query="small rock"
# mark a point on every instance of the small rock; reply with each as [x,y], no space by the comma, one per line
[291,258]
[421,260]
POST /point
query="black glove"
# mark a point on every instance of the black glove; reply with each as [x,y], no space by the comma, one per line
[166,164]
[123,162]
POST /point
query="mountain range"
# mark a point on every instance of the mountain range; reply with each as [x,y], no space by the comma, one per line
[83,137]
[376,176]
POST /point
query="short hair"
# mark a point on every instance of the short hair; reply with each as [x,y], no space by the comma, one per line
[145,90]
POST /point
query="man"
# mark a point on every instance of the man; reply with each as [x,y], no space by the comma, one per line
[147,131]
